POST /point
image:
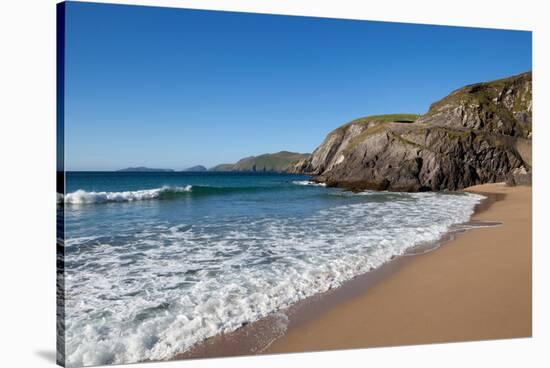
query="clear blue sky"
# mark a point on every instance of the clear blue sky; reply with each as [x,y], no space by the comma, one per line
[172,88]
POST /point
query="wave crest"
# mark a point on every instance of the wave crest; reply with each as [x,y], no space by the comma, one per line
[84,197]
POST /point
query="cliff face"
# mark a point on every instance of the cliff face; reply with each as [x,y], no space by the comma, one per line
[269,162]
[478,134]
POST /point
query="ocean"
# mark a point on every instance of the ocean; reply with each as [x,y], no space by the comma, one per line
[157,262]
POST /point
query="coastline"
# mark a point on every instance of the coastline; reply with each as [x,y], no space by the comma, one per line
[476,286]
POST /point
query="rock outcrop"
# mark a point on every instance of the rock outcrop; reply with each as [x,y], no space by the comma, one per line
[478,134]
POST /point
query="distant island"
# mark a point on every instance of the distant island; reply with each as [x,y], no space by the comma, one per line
[144,169]
[198,168]
[269,162]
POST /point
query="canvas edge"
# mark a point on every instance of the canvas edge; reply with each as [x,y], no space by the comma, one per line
[60,183]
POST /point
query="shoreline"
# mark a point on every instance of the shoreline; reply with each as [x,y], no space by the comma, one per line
[340,312]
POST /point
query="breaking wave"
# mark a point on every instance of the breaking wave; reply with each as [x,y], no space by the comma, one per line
[166,192]
[83,197]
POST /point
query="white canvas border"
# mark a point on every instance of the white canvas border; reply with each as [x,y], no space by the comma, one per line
[27,150]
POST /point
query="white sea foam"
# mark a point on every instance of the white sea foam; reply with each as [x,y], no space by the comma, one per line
[75,241]
[81,196]
[170,287]
[308,182]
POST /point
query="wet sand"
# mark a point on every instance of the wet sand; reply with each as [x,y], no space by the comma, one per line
[476,286]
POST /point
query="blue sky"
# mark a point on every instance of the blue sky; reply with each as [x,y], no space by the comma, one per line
[173,88]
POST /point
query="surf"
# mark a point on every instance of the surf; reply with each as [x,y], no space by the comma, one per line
[84,197]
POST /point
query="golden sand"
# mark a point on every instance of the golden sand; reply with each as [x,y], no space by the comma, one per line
[476,287]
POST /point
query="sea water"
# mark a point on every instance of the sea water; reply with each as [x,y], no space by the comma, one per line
[157,262]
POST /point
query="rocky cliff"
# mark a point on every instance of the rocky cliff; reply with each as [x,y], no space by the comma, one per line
[269,162]
[478,134]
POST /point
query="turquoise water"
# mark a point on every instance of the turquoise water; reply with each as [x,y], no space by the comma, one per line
[157,262]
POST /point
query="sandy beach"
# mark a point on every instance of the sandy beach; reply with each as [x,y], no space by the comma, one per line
[475,287]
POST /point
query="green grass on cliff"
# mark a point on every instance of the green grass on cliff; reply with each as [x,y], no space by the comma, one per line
[387,118]
[489,97]
[485,94]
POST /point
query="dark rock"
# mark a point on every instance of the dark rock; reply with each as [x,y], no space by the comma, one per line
[478,134]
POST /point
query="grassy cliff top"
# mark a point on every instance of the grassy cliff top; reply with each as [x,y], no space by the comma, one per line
[488,93]
[386,118]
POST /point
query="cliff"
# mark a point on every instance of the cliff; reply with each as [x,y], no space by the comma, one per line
[478,134]
[269,162]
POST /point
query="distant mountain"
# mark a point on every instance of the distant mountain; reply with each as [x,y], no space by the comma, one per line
[143,169]
[198,168]
[222,167]
[269,162]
